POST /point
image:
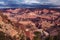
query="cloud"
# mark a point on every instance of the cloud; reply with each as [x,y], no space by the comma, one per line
[17,1]
[10,2]
[56,2]
[53,0]
[31,1]
[1,2]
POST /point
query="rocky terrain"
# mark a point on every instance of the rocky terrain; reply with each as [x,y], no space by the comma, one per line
[29,24]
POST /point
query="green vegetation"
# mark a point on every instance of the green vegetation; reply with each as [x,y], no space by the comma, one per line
[37,37]
[3,37]
[54,37]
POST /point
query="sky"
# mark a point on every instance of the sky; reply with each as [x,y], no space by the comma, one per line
[29,1]
[8,2]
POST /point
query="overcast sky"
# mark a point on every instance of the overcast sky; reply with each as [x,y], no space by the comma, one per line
[4,2]
[29,1]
